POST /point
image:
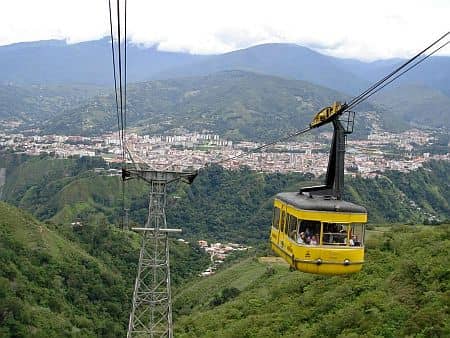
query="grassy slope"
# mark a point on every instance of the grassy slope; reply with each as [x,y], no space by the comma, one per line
[402,290]
[33,171]
[61,282]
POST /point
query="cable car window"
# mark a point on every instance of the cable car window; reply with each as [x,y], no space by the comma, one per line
[310,231]
[292,227]
[334,234]
[286,227]
[356,236]
[276,218]
[283,216]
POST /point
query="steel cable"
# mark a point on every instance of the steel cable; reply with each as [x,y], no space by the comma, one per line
[398,75]
[114,72]
[362,97]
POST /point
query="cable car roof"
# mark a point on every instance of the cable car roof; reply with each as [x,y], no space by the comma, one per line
[319,203]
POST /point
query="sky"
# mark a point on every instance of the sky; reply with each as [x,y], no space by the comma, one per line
[362,29]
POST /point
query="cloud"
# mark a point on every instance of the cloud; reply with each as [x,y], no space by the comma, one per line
[361,29]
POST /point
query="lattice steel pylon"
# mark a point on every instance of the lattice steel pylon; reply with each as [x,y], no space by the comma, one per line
[151,313]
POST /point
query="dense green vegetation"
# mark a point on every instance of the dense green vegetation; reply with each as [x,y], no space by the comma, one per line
[405,197]
[63,281]
[402,291]
[34,103]
[235,104]
[59,280]
[219,205]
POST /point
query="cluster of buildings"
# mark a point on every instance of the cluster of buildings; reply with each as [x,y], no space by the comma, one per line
[218,253]
[194,150]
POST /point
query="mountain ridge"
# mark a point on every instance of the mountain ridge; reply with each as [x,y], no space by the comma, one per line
[283,60]
[46,61]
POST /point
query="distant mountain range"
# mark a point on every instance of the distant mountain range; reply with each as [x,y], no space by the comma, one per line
[283,60]
[54,61]
[254,93]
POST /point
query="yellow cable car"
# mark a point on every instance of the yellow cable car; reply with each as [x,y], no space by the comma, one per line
[318,234]
[314,230]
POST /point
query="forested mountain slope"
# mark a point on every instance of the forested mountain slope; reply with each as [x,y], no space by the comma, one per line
[58,281]
[234,104]
[36,103]
[401,291]
[39,67]
[220,204]
[64,281]
[417,105]
[237,105]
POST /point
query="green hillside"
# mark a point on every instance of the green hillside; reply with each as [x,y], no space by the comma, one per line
[417,105]
[402,291]
[51,286]
[220,204]
[59,281]
[33,103]
[234,104]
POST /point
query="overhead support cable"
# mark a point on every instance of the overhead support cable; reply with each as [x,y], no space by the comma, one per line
[125,74]
[120,84]
[119,128]
[380,84]
[119,48]
[400,74]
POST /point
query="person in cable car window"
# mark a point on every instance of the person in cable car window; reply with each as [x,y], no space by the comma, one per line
[301,239]
[313,240]
[308,236]
[354,241]
[308,233]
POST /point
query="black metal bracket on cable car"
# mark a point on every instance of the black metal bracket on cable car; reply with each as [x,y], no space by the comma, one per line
[334,179]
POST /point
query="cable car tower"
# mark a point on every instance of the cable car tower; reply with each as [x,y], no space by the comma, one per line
[151,313]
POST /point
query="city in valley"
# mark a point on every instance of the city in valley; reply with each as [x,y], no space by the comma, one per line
[381,151]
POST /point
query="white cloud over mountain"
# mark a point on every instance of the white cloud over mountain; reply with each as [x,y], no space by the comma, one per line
[359,29]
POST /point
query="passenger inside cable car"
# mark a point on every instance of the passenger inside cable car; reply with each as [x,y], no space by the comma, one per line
[309,232]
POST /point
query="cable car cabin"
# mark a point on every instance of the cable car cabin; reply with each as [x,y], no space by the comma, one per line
[318,234]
